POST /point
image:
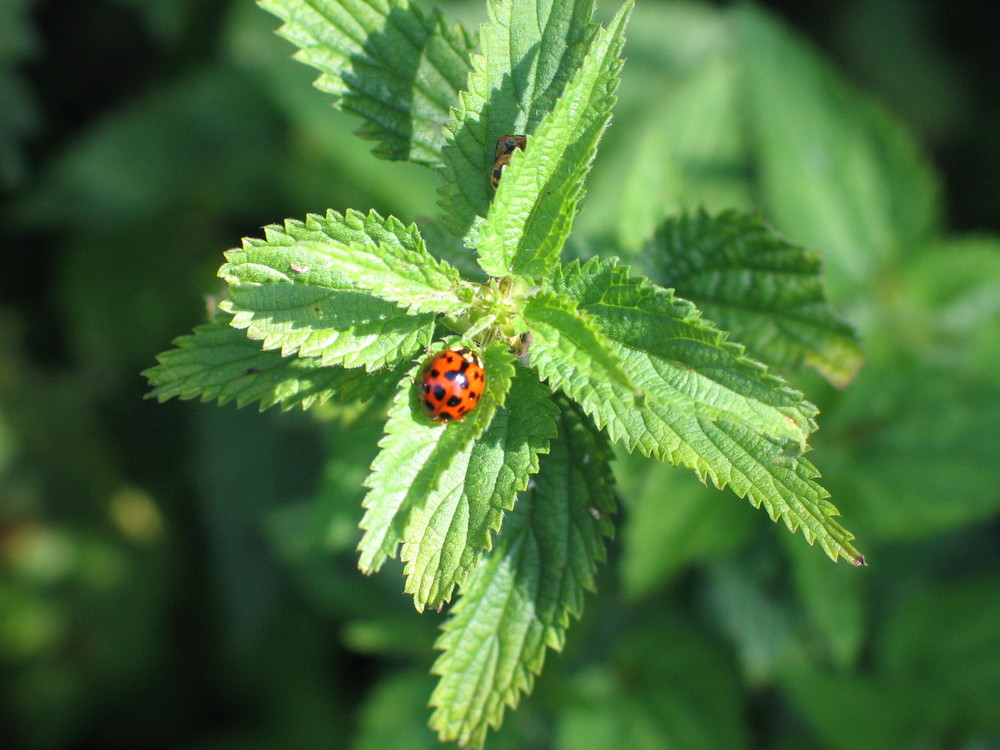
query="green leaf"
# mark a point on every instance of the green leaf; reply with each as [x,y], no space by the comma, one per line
[522,597]
[860,711]
[569,349]
[536,201]
[680,362]
[394,714]
[530,49]
[836,170]
[441,490]
[963,669]
[758,623]
[218,362]
[916,453]
[605,714]
[441,243]
[649,181]
[933,669]
[757,469]
[19,116]
[678,141]
[951,305]
[416,452]
[911,445]
[385,61]
[765,290]
[673,520]
[705,405]
[833,600]
[666,683]
[283,292]
[451,529]
[398,268]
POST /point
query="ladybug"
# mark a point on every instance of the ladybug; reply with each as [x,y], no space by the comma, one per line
[451,383]
[506,145]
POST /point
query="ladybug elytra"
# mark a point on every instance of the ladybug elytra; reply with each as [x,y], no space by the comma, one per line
[451,384]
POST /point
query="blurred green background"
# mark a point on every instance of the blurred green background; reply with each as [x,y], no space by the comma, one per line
[183,575]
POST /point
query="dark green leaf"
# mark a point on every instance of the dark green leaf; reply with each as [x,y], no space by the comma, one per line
[673,520]
[450,530]
[766,291]
[836,170]
[569,349]
[666,684]
[705,405]
[533,210]
[442,490]
[680,363]
[220,362]
[385,61]
[522,597]
[529,50]
[284,292]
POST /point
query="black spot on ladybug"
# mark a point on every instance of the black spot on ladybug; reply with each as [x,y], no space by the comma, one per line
[454,401]
[444,417]
[429,404]
[439,392]
[435,374]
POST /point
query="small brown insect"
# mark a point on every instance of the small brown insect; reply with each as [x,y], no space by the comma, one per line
[506,145]
[497,171]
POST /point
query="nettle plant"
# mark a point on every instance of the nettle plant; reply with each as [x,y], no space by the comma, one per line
[510,505]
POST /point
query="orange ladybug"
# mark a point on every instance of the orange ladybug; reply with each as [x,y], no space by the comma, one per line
[451,384]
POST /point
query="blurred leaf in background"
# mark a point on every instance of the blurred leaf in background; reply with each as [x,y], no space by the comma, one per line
[19,117]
